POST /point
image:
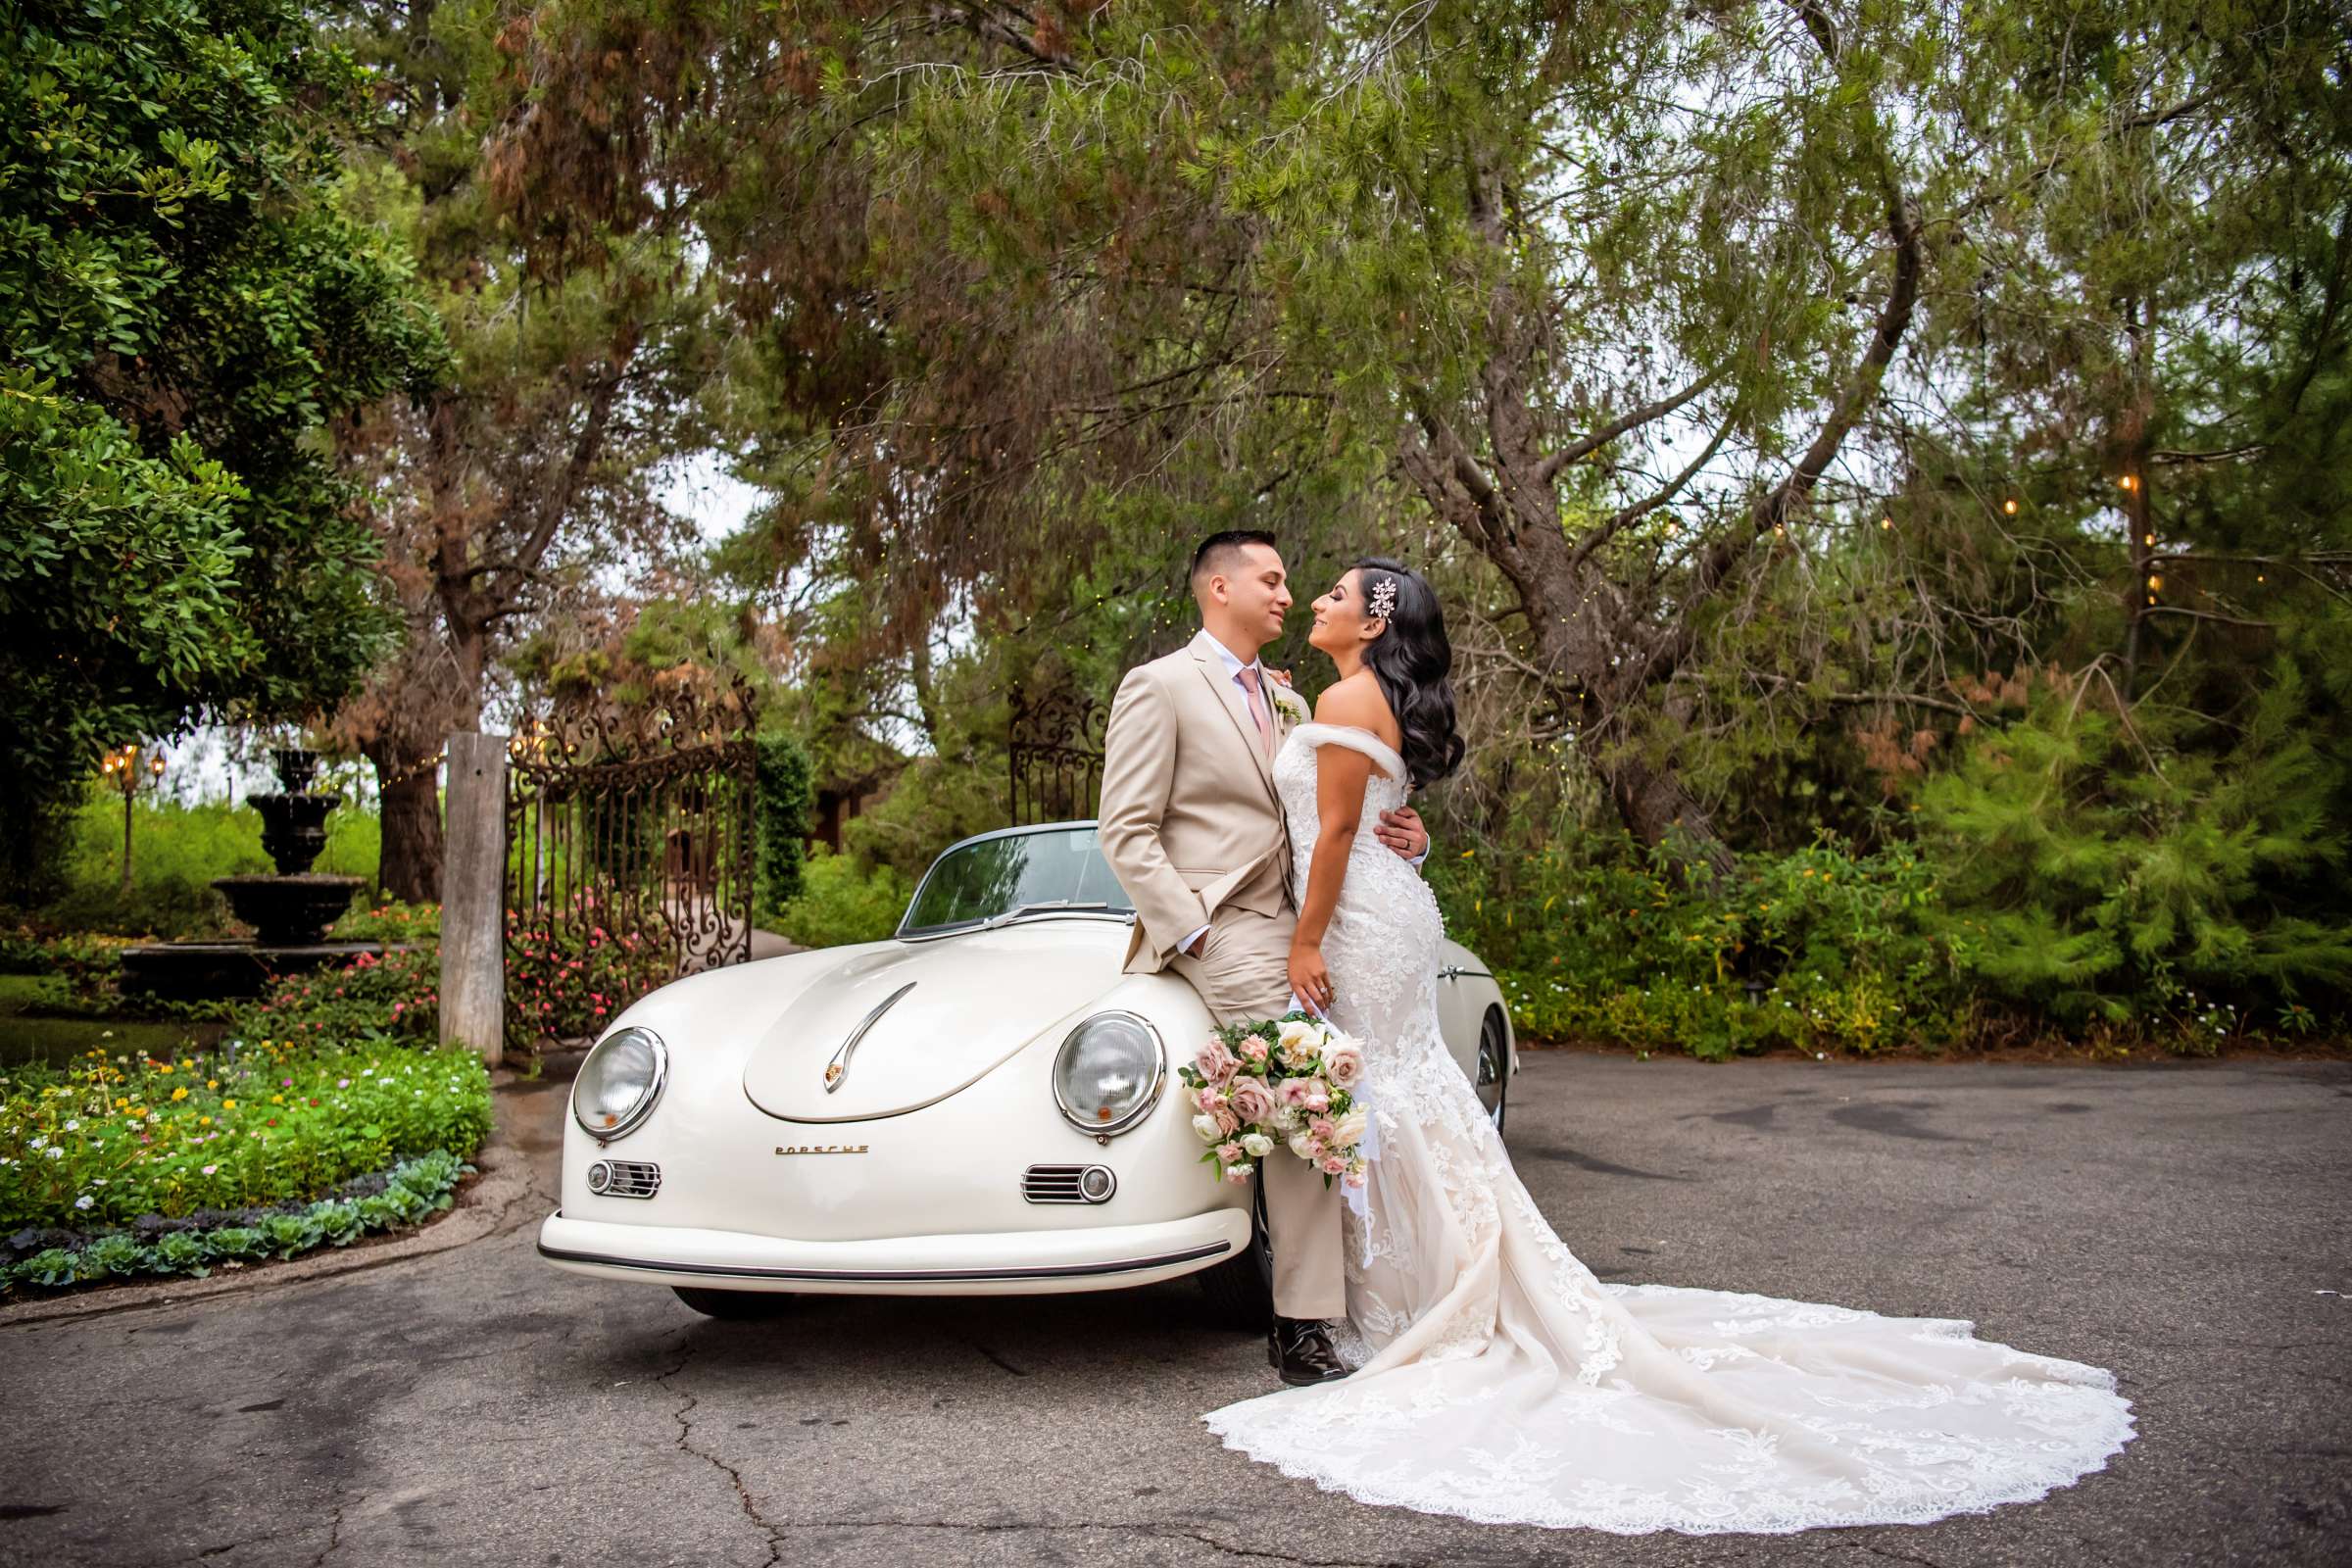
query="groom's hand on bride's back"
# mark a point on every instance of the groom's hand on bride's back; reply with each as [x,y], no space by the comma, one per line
[1402,830]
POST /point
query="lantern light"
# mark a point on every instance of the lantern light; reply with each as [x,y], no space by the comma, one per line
[2010,505]
[2128,483]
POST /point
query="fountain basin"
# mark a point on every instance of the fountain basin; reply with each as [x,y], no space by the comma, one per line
[198,971]
[288,912]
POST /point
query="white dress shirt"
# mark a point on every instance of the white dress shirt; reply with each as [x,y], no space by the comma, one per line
[1233,669]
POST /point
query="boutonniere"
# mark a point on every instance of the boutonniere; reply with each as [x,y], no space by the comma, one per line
[1292,704]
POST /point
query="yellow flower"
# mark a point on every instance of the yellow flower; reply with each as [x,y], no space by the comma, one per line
[163,1067]
[277,1100]
[211,1082]
[228,1104]
[120,1104]
[179,1093]
[203,1121]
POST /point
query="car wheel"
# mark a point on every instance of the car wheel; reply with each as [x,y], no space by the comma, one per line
[1240,1289]
[1494,1065]
[736,1306]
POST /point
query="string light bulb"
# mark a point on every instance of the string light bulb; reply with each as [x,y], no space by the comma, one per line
[2010,505]
[2128,483]
[1885,522]
[2155,583]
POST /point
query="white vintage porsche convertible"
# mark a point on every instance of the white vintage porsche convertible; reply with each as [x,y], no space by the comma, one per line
[983,1104]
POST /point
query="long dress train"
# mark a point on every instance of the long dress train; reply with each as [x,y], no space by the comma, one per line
[1504,1383]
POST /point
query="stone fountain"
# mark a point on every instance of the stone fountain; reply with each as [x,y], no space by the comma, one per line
[289,911]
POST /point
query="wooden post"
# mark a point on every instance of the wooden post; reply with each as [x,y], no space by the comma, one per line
[473,937]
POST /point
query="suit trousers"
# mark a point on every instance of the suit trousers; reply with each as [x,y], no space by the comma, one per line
[1243,974]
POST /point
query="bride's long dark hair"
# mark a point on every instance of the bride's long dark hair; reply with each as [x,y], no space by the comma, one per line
[1413,661]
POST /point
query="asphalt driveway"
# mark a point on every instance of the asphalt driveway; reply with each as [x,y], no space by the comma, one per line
[2186,1226]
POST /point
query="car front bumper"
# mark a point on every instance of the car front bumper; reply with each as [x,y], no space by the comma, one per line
[1002,1263]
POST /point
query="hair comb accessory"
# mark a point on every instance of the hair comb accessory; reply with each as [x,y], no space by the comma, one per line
[1383,602]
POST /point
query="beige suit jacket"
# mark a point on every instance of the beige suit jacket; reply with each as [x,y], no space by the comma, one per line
[1190,820]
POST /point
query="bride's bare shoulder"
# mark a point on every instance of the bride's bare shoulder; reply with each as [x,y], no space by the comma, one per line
[1358,703]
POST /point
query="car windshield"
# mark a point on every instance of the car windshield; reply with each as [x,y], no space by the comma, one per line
[992,879]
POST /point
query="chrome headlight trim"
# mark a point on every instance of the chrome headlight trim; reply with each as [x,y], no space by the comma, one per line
[634,1117]
[1143,1106]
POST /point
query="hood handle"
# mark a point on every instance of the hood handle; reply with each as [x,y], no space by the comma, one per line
[839,1067]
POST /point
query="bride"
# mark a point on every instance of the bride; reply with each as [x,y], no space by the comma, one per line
[1498,1379]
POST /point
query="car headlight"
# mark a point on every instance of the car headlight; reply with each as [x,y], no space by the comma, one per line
[1108,1073]
[619,1082]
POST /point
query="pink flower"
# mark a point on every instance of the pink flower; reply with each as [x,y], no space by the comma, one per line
[1322,1128]
[1237,1173]
[1355,1178]
[1229,1153]
[1253,1049]
[1292,1091]
[1344,1066]
[1215,1062]
[1210,1099]
[1252,1100]
[1226,1123]
[1334,1165]
[1318,1097]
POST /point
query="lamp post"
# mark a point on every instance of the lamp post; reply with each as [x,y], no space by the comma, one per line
[121,768]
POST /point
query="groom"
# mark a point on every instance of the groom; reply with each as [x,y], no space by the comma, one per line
[1194,830]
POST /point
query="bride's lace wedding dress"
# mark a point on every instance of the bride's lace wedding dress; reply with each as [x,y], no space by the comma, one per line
[1504,1383]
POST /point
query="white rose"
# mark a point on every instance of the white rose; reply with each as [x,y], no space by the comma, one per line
[1348,1129]
[1207,1127]
[1301,1042]
[1300,1145]
[1259,1144]
[1286,1120]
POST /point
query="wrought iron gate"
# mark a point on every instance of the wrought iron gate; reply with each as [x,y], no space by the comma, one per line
[631,856]
[1056,751]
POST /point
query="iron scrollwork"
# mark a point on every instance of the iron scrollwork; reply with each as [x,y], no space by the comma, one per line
[1056,754]
[631,842]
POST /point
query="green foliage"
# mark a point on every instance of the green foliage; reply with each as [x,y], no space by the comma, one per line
[786,796]
[392,998]
[1823,949]
[2105,869]
[842,903]
[112,1137]
[184,318]
[414,1190]
[390,921]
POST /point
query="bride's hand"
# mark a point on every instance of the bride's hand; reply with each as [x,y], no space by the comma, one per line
[1310,981]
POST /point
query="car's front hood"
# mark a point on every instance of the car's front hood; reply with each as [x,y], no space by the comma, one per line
[969,1002]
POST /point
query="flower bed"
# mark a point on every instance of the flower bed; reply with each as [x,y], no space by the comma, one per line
[405,1194]
[254,1121]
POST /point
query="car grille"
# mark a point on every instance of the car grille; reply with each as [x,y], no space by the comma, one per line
[1068,1184]
[629,1178]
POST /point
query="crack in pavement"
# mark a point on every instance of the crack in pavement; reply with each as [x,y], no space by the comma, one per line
[1899,1556]
[1140,1527]
[743,1495]
[334,1535]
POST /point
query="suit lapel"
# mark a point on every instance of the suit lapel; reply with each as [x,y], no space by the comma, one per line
[1211,665]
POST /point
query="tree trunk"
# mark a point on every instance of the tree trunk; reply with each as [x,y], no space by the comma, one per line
[409,786]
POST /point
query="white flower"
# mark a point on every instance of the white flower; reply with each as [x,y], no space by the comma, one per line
[1300,1145]
[85,1200]
[1348,1129]
[1259,1144]
[54,1153]
[38,1143]
[1286,1119]
[73,1126]
[1301,1040]
[1207,1127]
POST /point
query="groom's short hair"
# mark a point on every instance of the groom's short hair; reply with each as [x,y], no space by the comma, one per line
[1221,552]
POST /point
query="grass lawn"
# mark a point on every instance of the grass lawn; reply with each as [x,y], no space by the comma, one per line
[26,1036]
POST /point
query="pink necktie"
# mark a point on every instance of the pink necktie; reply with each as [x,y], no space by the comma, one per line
[1265,730]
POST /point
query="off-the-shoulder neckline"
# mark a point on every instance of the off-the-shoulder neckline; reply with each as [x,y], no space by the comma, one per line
[1384,749]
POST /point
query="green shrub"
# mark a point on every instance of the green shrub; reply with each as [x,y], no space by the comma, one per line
[389,921]
[568,975]
[840,902]
[786,797]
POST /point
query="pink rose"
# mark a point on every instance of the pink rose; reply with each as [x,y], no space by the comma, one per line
[1317,1099]
[1334,1165]
[1355,1178]
[1229,1153]
[1344,1066]
[1209,1099]
[1293,1093]
[1252,1100]
[1226,1123]
[1315,1148]
[1324,1128]
[1254,1049]
[1215,1061]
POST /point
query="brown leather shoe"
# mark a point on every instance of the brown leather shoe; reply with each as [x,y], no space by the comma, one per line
[1299,1351]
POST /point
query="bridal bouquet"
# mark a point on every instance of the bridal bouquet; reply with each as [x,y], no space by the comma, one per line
[1283,1081]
